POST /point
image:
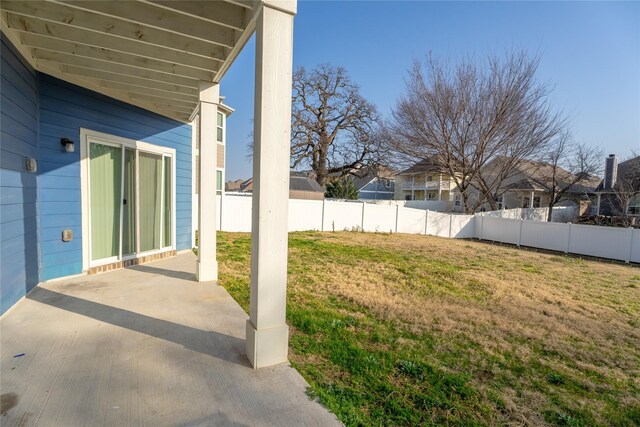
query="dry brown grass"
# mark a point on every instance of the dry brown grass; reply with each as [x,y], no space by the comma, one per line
[506,309]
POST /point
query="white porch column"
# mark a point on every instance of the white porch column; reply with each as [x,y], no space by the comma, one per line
[207,268]
[440,187]
[598,205]
[532,195]
[267,333]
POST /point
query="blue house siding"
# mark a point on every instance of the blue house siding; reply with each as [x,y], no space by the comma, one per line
[64,109]
[37,110]
[18,188]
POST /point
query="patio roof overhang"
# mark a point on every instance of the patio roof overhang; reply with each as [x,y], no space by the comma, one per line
[148,53]
[169,57]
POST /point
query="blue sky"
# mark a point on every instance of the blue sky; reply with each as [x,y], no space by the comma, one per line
[590,53]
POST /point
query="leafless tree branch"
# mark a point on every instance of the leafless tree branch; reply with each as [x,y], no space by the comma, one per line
[474,115]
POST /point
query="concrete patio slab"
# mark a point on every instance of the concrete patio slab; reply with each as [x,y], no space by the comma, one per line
[145,345]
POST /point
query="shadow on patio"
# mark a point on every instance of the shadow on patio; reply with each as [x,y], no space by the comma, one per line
[143,345]
[191,338]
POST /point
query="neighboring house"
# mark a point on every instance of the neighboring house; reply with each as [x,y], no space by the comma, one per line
[224,111]
[621,185]
[303,187]
[529,184]
[300,187]
[425,181]
[233,185]
[374,183]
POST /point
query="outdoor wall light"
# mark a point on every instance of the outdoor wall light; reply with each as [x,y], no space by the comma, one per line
[69,146]
[31,165]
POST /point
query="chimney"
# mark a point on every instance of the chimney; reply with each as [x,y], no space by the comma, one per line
[610,172]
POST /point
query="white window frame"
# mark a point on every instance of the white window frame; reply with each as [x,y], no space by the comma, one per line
[221,182]
[223,127]
[88,136]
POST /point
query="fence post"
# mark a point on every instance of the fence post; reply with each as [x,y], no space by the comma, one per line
[630,246]
[450,224]
[322,219]
[482,226]
[362,220]
[397,215]
[568,239]
[520,233]
[426,221]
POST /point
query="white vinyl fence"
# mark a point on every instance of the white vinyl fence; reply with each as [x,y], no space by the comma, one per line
[432,205]
[621,244]
[331,215]
[560,213]
[606,242]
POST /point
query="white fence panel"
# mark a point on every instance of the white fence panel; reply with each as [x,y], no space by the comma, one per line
[411,221]
[341,216]
[438,224]
[236,213]
[635,245]
[378,218]
[305,215]
[501,230]
[463,226]
[545,235]
[604,242]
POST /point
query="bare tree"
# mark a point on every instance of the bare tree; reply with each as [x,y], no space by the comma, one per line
[570,168]
[626,189]
[472,115]
[333,126]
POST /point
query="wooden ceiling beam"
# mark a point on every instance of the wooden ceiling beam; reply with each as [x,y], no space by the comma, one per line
[29,25]
[43,43]
[219,12]
[79,61]
[173,96]
[64,14]
[160,18]
[128,80]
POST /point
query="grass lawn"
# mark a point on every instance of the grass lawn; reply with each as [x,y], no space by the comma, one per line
[418,330]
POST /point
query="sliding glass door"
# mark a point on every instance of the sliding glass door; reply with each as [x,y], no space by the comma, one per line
[131,201]
[105,165]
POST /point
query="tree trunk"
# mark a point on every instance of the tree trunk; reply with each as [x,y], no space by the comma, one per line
[552,203]
[465,202]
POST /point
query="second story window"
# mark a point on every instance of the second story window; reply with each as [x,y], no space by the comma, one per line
[219,182]
[220,128]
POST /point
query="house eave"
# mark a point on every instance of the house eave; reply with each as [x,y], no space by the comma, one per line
[151,54]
